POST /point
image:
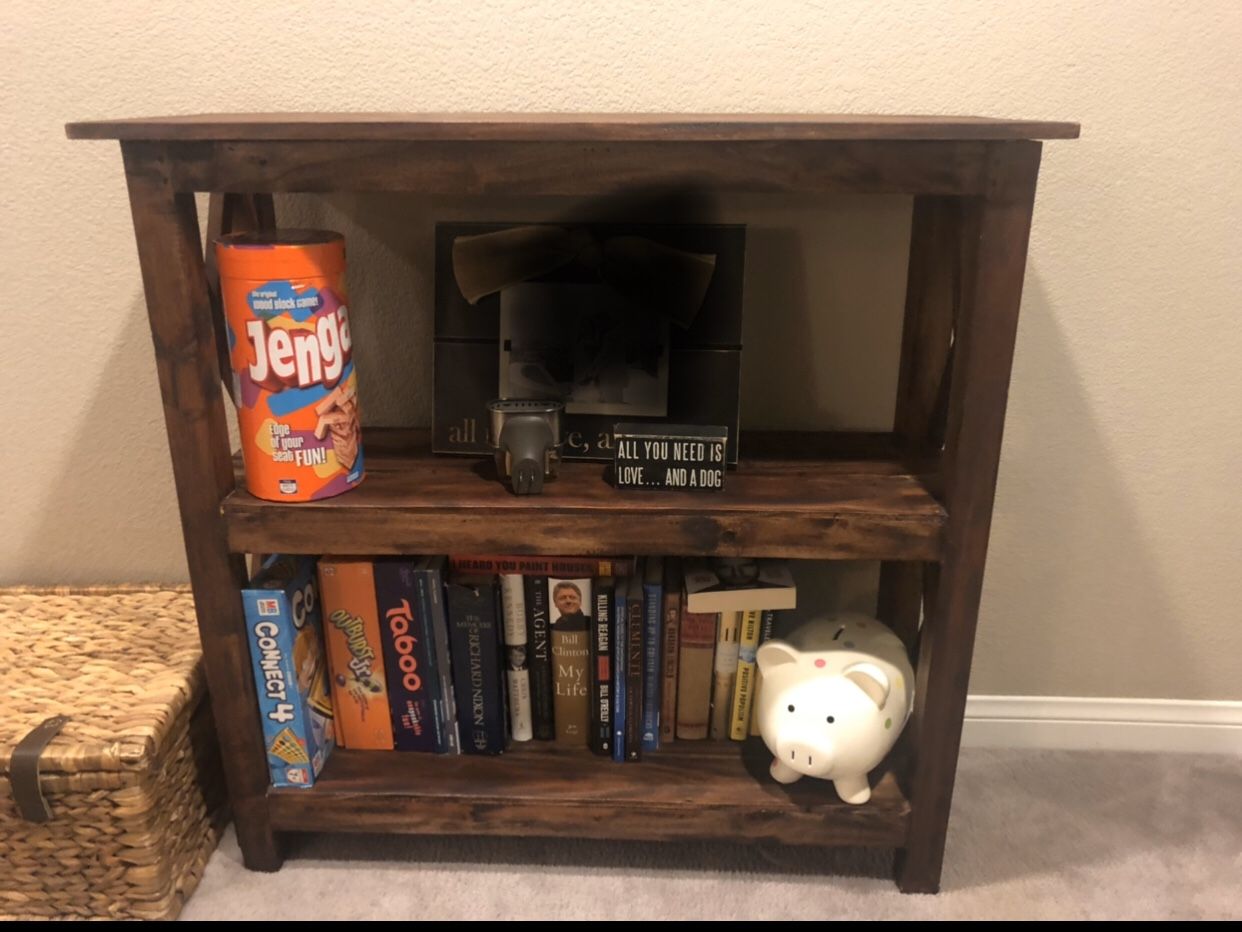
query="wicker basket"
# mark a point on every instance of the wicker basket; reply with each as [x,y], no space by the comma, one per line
[132,780]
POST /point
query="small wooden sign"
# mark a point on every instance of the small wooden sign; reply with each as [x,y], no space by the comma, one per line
[669,456]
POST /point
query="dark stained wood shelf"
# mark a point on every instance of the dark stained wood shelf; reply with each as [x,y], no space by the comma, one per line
[565,127]
[691,790]
[926,514]
[847,504]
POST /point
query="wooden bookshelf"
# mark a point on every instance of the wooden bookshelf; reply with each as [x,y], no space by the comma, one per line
[918,499]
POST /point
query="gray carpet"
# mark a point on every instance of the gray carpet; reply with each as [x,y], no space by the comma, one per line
[1034,834]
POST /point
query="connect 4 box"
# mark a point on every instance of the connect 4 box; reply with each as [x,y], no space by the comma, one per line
[283,622]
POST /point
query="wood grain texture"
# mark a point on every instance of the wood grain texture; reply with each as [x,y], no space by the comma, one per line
[921,497]
[899,599]
[575,168]
[230,213]
[985,335]
[933,289]
[595,127]
[938,245]
[171,256]
[414,502]
[691,790]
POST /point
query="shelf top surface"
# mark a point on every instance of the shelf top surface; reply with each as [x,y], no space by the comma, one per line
[771,505]
[687,789]
[565,127]
[402,472]
[683,773]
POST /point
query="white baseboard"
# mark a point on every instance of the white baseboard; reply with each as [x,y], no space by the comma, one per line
[1103,724]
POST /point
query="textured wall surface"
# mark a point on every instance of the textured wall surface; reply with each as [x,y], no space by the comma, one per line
[1116,560]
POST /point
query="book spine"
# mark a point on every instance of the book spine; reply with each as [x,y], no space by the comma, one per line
[539,641]
[310,664]
[744,687]
[517,673]
[571,653]
[765,634]
[474,627]
[653,652]
[540,566]
[600,734]
[352,635]
[634,674]
[724,673]
[694,674]
[407,657]
[430,581]
[669,664]
[620,668]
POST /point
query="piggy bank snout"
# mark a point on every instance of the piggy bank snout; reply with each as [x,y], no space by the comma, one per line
[816,727]
[799,727]
[805,753]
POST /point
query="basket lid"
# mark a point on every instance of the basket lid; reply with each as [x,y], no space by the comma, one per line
[121,664]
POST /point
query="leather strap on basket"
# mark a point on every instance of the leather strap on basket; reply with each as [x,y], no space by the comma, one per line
[24,770]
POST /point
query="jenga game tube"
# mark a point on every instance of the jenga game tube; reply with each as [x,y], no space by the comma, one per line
[294,379]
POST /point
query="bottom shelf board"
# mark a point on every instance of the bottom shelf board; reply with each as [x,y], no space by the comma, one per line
[691,790]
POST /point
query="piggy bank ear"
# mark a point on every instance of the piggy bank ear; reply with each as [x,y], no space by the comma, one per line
[871,680]
[775,653]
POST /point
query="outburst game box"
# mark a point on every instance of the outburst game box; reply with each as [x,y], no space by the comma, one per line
[355,654]
[284,628]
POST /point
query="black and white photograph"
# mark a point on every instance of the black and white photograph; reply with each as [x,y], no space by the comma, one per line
[580,343]
[571,600]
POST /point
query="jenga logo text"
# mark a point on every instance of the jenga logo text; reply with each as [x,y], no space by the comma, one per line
[287,358]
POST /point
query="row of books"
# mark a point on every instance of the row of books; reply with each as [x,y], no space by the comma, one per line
[465,654]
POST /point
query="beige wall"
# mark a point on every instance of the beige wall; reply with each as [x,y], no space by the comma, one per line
[1116,558]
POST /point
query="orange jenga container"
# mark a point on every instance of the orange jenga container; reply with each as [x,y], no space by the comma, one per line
[293,375]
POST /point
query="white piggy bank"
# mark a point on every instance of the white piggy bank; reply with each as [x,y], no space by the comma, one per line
[835,696]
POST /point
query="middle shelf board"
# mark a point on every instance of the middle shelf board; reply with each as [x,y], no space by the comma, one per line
[696,789]
[853,506]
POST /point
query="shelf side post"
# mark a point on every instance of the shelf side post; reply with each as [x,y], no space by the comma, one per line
[179,307]
[994,233]
[933,289]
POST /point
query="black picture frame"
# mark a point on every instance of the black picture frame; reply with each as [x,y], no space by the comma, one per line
[704,365]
